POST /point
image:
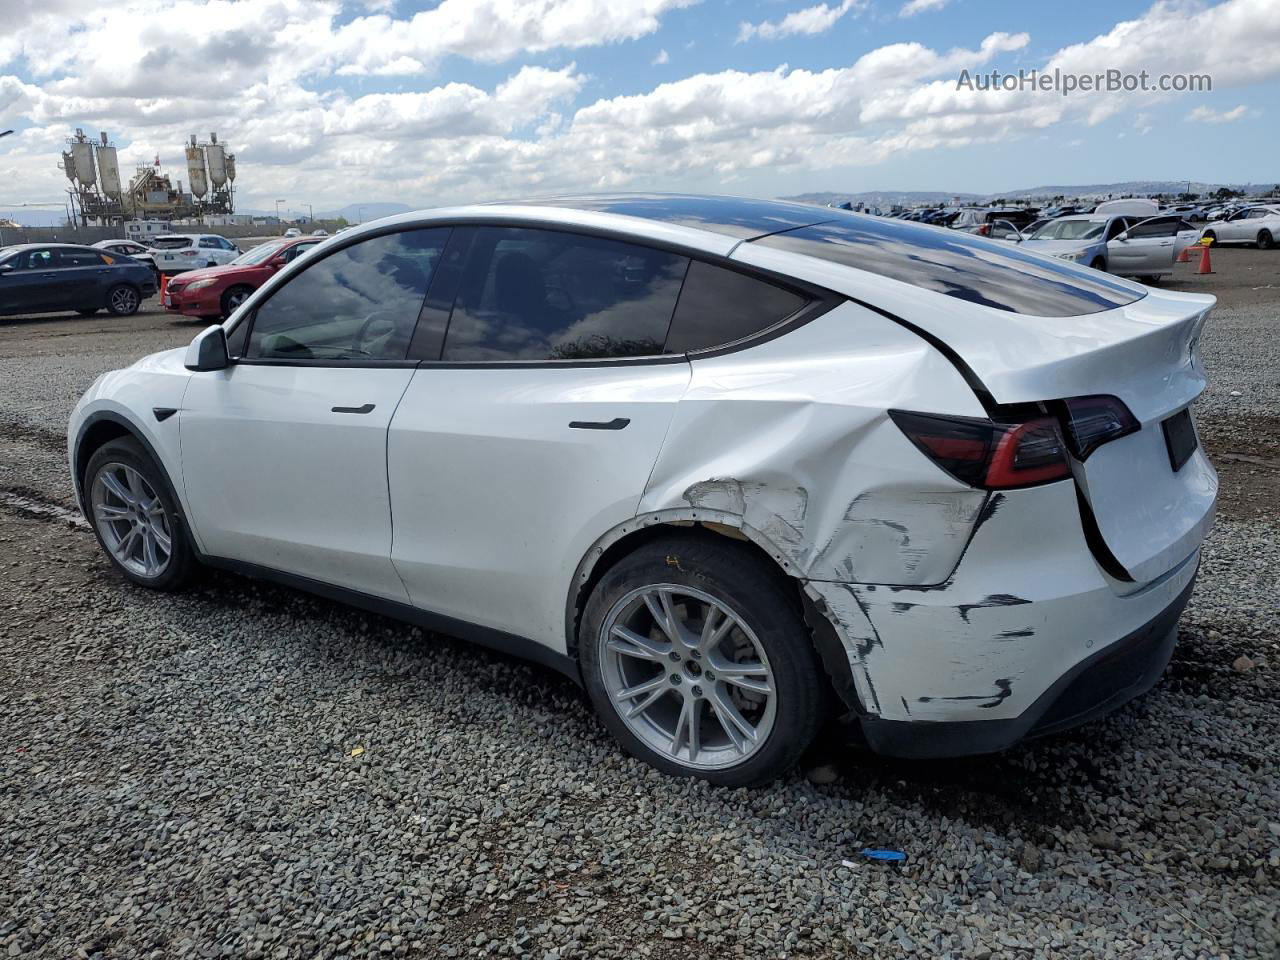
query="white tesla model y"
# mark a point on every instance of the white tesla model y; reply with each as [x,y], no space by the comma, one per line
[731,464]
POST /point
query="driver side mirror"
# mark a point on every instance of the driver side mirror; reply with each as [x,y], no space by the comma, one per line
[1123,236]
[7,267]
[208,351]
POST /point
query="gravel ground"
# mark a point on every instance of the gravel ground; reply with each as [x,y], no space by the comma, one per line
[246,771]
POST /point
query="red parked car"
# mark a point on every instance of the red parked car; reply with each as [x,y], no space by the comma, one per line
[214,292]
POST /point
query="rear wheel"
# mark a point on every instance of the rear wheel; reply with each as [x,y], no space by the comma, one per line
[1265,240]
[123,300]
[134,515]
[233,298]
[696,656]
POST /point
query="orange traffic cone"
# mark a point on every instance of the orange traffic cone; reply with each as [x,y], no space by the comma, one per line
[164,285]
[1185,255]
[1206,265]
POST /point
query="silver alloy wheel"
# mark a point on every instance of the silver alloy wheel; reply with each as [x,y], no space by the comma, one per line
[123,300]
[235,298]
[131,520]
[687,676]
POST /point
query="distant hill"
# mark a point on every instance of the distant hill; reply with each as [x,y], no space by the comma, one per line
[32,217]
[1127,188]
[885,198]
[363,212]
[1132,188]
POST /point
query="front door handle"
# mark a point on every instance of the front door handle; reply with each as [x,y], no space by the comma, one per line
[617,423]
[366,408]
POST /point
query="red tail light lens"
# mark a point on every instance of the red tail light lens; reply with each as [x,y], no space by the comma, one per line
[987,454]
[1093,421]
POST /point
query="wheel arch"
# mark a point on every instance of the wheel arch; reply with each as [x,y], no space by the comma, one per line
[99,429]
[625,538]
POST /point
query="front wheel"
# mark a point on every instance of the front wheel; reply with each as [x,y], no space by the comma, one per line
[1265,240]
[232,299]
[123,300]
[134,515]
[696,656]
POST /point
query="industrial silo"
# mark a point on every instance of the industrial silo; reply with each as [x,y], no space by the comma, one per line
[195,169]
[82,157]
[109,169]
[216,154]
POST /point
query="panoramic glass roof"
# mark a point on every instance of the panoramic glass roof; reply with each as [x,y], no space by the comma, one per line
[735,217]
[994,273]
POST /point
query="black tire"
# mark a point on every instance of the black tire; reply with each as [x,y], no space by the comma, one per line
[233,297]
[129,452]
[1210,236]
[1099,264]
[123,300]
[733,574]
[1265,240]
[210,264]
[1151,279]
[89,312]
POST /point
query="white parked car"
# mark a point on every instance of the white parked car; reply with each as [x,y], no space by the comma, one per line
[293,232]
[177,252]
[129,248]
[725,462]
[1128,246]
[1259,226]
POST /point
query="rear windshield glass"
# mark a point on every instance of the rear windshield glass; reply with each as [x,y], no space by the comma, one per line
[994,273]
[172,243]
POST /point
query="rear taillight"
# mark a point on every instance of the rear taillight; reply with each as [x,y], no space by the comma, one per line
[1093,421]
[189,253]
[988,454]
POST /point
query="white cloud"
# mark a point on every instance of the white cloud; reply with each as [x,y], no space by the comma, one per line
[912,7]
[490,30]
[1209,115]
[660,59]
[809,21]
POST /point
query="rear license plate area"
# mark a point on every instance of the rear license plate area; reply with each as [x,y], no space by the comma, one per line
[1180,438]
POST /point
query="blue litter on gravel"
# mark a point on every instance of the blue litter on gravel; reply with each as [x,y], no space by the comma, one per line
[891,855]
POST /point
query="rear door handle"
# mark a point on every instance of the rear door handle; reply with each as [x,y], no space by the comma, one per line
[617,423]
[365,408]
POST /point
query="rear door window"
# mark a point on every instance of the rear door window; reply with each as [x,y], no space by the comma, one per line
[359,303]
[79,258]
[993,273]
[1155,227]
[719,306]
[536,295]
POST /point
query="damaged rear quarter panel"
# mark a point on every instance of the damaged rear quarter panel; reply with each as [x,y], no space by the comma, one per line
[802,450]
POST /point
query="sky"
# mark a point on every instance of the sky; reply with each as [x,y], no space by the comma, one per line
[330,102]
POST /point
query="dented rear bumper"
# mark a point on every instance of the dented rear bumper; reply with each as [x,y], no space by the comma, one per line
[1092,688]
[1027,635]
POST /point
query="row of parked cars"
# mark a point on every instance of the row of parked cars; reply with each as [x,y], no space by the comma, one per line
[211,275]
[1132,238]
